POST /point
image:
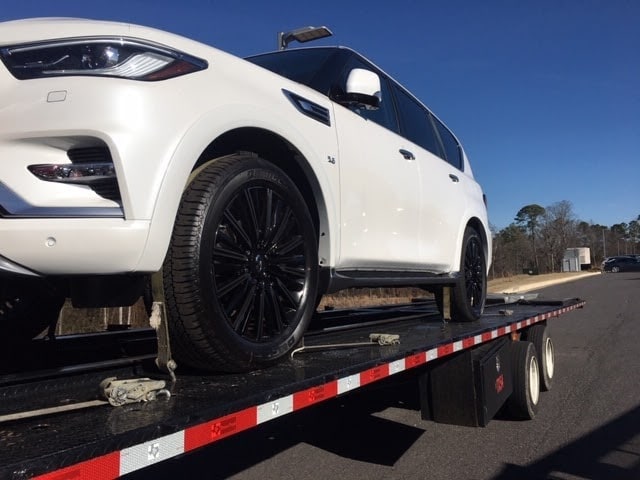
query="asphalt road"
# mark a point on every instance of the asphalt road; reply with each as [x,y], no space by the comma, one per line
[587,427]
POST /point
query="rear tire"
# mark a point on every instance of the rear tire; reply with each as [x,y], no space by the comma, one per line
[523,402]
[241,273]
[27,307]
[469,295]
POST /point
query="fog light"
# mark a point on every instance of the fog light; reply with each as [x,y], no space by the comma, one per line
[82,174]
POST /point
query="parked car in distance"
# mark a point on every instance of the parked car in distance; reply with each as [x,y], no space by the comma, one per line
[252,186]
[622,263]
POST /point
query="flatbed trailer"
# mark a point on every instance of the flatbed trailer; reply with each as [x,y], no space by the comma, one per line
[466,371]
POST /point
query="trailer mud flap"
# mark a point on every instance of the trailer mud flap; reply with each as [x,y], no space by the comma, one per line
[469,388]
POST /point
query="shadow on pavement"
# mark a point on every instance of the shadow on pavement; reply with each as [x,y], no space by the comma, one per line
[350,428]
[346,427]
[611,452]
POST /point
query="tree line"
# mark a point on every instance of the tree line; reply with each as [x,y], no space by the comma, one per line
[537,238]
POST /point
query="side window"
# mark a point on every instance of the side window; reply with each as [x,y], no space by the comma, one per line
[450,144]
[415,122]
[385,114]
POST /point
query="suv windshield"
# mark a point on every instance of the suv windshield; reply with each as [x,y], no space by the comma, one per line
[300,65]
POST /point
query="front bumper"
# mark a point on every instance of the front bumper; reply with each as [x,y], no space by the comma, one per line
[58,228]
[71,246]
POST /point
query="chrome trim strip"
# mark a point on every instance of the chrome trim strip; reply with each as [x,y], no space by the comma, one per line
[309,108]
[14,206]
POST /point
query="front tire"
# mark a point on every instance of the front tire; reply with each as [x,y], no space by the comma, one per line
[241,273]
[470,293]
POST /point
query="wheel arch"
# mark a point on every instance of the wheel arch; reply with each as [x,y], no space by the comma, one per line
[198,148]
[276,150]
[478,226]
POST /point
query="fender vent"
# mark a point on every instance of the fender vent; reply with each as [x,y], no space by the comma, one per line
[309,108]
[106,189]
[89,155]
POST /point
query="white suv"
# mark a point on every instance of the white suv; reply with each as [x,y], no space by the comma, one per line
[254,185]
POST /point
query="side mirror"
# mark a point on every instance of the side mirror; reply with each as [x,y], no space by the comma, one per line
[363,88]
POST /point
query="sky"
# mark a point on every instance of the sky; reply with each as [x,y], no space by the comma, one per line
[544,95]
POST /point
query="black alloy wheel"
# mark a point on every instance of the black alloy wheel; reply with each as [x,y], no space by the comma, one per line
[259,263]
[241,274]
[470,294]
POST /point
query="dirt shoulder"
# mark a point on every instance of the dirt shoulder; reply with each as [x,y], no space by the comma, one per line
[387,296]
[526,283]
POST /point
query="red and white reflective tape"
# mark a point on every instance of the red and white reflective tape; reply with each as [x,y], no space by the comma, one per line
[149,453]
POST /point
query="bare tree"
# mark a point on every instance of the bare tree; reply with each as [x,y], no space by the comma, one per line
[512,251]
[553,229]
[558,231]
[529,218]
[634,234]
[620,232]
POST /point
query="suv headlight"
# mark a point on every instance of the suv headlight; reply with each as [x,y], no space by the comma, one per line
[105,57]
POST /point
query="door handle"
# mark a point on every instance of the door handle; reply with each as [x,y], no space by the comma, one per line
[454,178]
[407,154]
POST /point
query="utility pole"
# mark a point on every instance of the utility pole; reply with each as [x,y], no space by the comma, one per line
[604,245]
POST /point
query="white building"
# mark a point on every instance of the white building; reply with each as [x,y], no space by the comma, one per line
[576,259]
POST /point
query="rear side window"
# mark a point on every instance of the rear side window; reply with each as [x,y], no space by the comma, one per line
[450,144]
[415,122]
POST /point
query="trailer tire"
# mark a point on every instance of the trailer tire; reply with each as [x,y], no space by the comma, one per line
[241,273]
[539,336]
[523,402]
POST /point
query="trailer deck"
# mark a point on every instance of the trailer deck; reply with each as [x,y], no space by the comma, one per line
[105,442]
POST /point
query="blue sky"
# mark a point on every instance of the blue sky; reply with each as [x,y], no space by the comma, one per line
[544,95]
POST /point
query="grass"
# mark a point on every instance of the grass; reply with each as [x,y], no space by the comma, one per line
[88,320]
[91,320]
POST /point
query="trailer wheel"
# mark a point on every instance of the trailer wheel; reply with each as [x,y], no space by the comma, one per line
[241,273]
[27,307]
[539,336]
[523,402]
